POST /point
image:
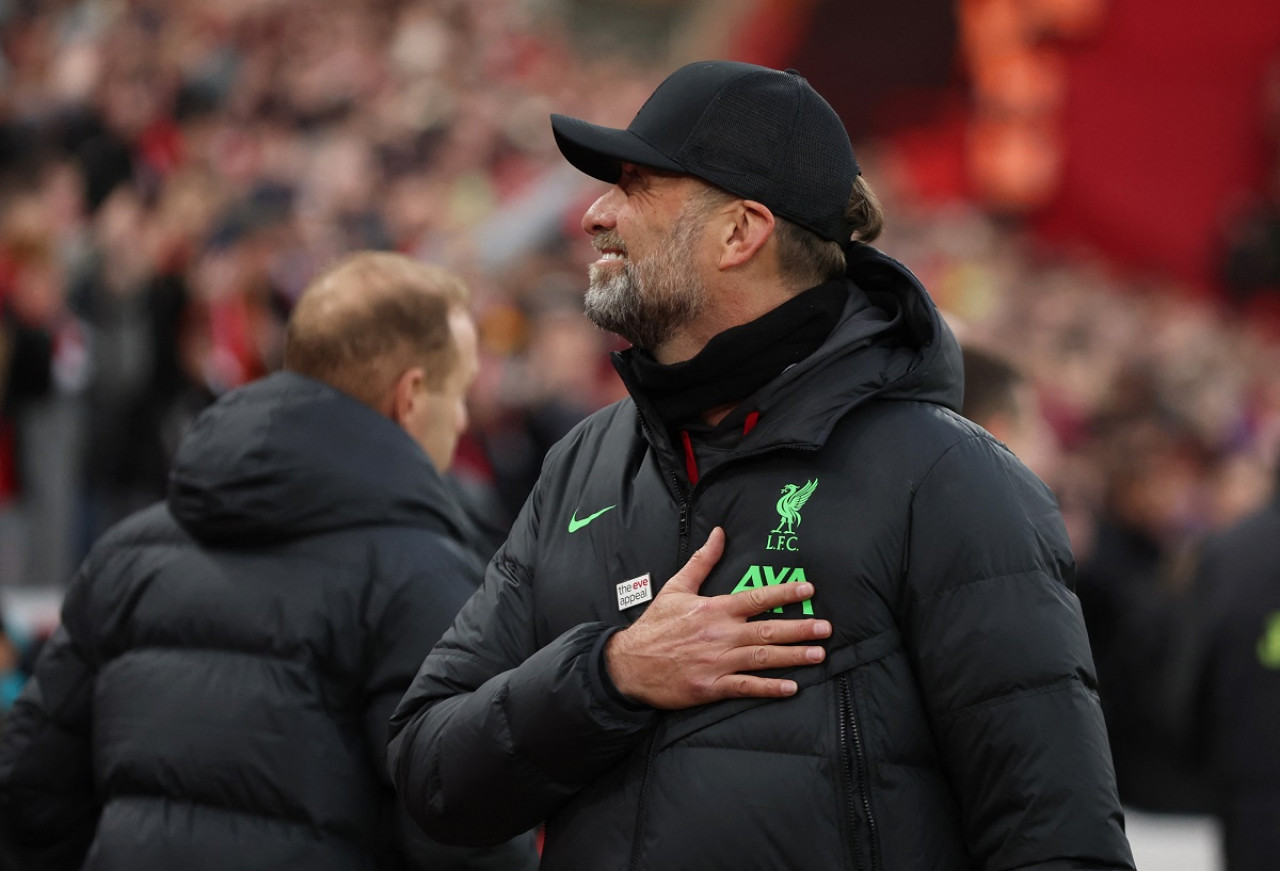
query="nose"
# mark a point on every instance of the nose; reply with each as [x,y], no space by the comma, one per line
[602,214]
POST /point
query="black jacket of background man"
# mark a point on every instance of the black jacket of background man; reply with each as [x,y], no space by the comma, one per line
[1233,662]
[218,694]
[954,723]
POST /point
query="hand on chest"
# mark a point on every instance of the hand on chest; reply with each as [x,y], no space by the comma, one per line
[615,552]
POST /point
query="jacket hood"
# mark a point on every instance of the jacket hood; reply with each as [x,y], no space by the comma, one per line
[289,456]
[891,341]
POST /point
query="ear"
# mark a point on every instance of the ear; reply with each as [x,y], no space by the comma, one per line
[748,227]
[405,394]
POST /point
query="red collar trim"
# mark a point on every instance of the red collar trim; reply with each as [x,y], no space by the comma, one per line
[690,461]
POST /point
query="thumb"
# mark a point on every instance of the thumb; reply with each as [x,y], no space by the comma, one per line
[689,579]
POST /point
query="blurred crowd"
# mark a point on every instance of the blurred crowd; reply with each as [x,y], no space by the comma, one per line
[1155,417]
[172,174]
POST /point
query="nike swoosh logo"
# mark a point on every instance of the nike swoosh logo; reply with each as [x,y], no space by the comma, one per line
[575,524]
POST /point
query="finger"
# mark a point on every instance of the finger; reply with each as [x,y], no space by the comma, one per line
[739,686]
[762,657]
[781,631]
[757,600]
[689,579]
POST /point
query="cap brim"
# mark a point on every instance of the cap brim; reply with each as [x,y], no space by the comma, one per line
[600,151]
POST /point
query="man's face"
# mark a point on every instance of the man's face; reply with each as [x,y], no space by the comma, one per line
[440,417]
[646,285]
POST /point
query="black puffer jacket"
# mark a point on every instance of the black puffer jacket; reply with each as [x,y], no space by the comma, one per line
[954,723]
[218,694]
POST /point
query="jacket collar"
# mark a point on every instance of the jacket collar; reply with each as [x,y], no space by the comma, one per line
[890,342]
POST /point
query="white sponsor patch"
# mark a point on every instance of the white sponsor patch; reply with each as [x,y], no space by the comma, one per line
[634,591]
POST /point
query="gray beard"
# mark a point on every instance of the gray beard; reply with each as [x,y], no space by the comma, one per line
[647,301]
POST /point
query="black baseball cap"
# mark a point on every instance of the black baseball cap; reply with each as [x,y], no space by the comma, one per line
[759,133]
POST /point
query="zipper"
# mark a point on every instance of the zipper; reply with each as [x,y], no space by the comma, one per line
[682,495]
[644,788]
[683,498]
[853,755]
[683,553]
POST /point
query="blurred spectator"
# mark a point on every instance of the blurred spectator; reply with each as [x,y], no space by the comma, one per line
[1251,242]
[132,311]
[522,408]
[11,677]
[1153,469]
[20,646]
[44,365]
[1000,398]
[1230,697]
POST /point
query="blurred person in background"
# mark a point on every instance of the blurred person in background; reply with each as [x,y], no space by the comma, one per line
[1132,587]
[1250,245]
[218,693]
[535,386]
[999,397]
[132,297]
[21,641]
[26,353]
[923,694]
[11,676]
[41,372]
[1226,701]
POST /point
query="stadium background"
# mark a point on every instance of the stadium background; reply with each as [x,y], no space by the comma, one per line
[1090,187]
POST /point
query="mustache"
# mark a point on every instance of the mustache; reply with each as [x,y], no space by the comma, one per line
[608,239]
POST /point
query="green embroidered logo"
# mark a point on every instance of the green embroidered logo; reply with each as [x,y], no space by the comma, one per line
[1269,643]
[760,576]
[575,524]
[783,537]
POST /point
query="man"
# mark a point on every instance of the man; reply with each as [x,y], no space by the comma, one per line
[1225,678]
[218,693]
[874,660]
[999,397]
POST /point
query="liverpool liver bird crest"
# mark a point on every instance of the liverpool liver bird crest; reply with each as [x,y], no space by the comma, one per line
[793,499]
